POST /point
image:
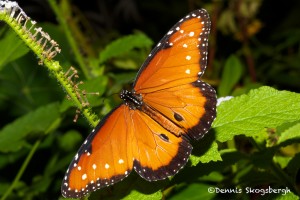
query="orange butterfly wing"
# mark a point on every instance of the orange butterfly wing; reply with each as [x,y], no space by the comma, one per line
[168,101]
[157,152]
[169,79]
[125,139]
[191,107]
[180,57]
[104,158]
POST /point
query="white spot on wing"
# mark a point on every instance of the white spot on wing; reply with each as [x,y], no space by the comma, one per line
[191,34]
[121,161]
[94,166]
[106,166]
[170,32]
[188,57]
[84,176]
[188,71]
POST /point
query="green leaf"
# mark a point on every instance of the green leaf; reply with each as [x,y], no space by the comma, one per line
[134,195]
[287,195]
[11,48]
[125,64]
[249,114]
[42,120]
[120,80]
[194,191]
[289,134]
[293,166]
[68,140]
[3,187]
[211,155]
[123,45]
[231,75]
[283,161]
[131,188]
[214,176]
[11,158]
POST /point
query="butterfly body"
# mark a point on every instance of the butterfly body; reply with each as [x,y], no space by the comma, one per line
[131,99]
[150,132]
[135,101]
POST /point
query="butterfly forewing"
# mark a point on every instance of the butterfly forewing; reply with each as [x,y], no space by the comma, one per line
[104,158]
[147,132]
[169,79]
[179,58]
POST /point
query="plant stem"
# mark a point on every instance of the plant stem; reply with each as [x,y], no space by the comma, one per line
[32,41]
[22,169]
[231,145]
[63,22]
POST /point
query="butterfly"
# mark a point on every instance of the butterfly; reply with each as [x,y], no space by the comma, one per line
[150,132]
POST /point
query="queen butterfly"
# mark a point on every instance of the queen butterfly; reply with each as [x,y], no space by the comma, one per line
[150,132]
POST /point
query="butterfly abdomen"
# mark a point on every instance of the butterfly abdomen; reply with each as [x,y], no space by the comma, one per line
[165,122]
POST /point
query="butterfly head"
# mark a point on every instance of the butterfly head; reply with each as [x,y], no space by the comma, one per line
[133,100]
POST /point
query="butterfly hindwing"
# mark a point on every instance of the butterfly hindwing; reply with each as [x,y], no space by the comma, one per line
[157,152]
[191,106]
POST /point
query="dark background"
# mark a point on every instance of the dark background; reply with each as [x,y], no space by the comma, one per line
[155,17]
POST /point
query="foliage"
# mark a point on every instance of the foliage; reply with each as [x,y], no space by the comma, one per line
[253,144]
